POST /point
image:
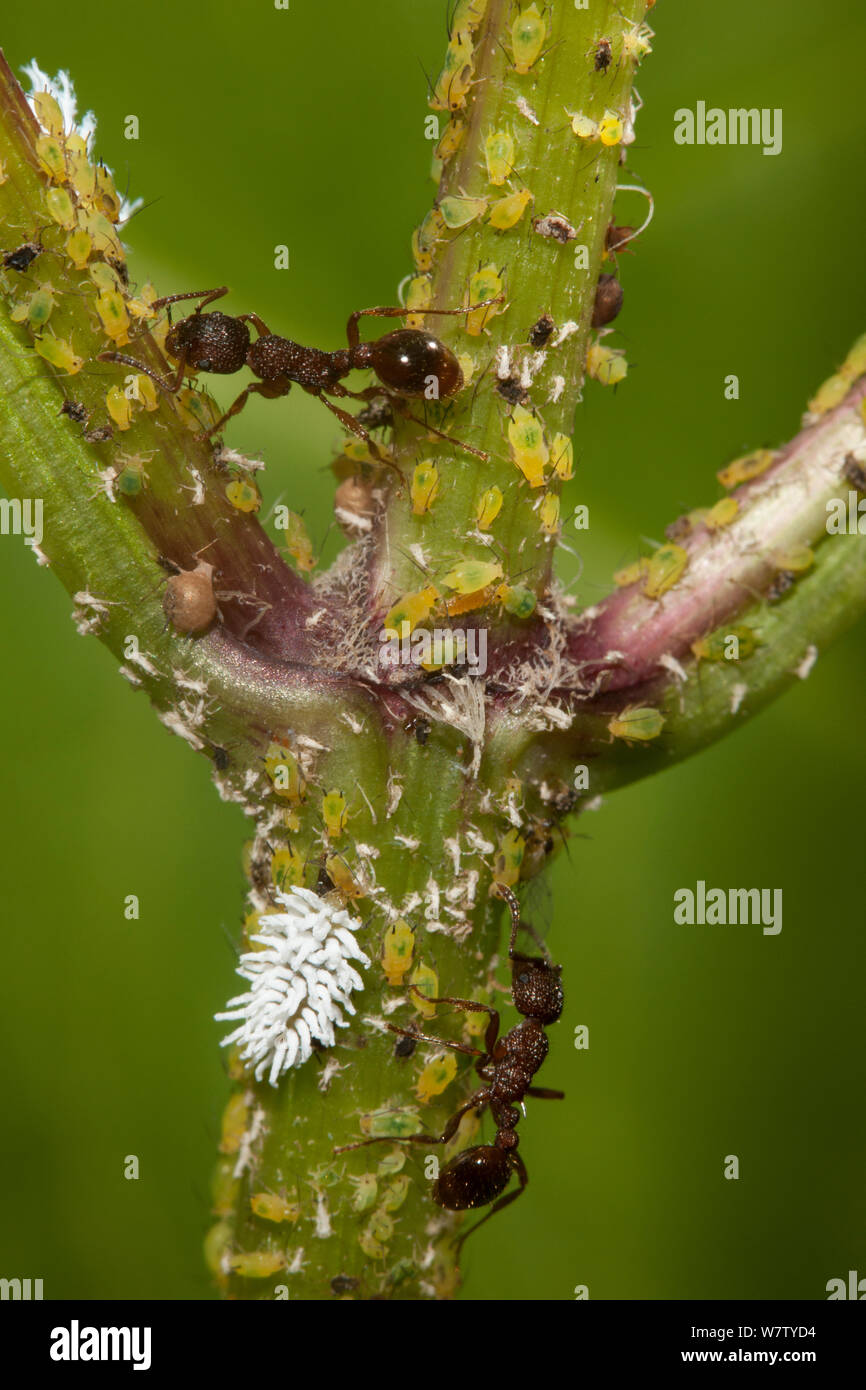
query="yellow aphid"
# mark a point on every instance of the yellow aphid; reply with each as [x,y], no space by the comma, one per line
[639,724]
[722,514]
[105,278]
[606,365]
[60,208]
[298,543]
[471,575]
[3,175]
[466,1132]
[287,868]
[244,496]
[526,437]
[397,951]
[424,239]
[358,450]
[393,1163]
[455,79]
[797,560]
[467,366]
[48,112]
[425,977]
[372,1248]
[528,33]
[80,173]
[57,352]
[854,365]
[142,389]
[507,211]
[467,603]
[390,1123]
[142,306]
[636,43]
[452,138]
[517,600]
[234,1124]
[584,127]
[742,469]
[256,1264]
[381,1227]
[105,240]
[549,514]
[271,1208]
[36,310]
[435,1077]
[509,857]
[282,768]
[727,644]
[485,284]
[105,198]
[610,128]
[562,454]
[335,813]
[119,407]
[499,156]
[366,1191]
[829,394]
[411,610]
[113,317]
[338,872]
[630,574]
[216,1243]
[664,569]
[49,152]
[395,1194]
[468,14]
[224,1188]
[488,507]
[424,487]
[418,296]
[459,212]
[79,245]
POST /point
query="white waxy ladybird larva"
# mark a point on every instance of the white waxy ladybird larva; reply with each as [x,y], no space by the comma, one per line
[189,601]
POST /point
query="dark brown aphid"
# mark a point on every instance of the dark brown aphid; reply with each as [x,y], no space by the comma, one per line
[782,582]
[556,226]
[221,758]
[541,331]
[616,238]
[510,389]
[854,472]
[100,434]
[404,1047]
[409,362]
[420,727]
[478,1176]
[344,1283]
[602,56]
[679,529]
[76,411]
[608,300]
[22,257]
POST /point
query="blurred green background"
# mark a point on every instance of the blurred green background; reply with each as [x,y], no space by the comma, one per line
[305,127]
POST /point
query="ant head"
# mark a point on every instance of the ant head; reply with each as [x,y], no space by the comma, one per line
[210,342]
[536,989]
[412,362]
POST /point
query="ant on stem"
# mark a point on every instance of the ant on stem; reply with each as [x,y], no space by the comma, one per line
[408,362]
[479,1175]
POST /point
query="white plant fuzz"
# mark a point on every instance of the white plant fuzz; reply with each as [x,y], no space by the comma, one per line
[300,981]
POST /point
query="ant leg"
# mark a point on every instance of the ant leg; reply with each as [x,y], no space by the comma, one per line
[475,1102]
[352,424]
[440,1042]
[352,333]
[542,1093]
[523,1176]
[258,324]
[262,388]
[206,297]
[170,387]
[449,438]
[492,1031]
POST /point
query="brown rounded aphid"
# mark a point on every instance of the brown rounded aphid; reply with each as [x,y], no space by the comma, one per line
[189,602]
[22,257]
[616,238]
[353,505]
[541,331]
[601,56]
[608,300]
[510,389]
[76,411]
[783,581]
[344,1283]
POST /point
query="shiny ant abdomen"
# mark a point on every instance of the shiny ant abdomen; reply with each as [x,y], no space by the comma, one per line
[507,1065]
[409,362]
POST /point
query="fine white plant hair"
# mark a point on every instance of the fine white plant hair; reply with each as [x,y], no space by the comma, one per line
[300,982]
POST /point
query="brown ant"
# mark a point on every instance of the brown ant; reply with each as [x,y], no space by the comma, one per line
[408,361]
[480,1175]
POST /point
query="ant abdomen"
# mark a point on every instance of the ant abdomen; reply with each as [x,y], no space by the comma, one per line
[410,361]
[473,1179]
[212,342]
